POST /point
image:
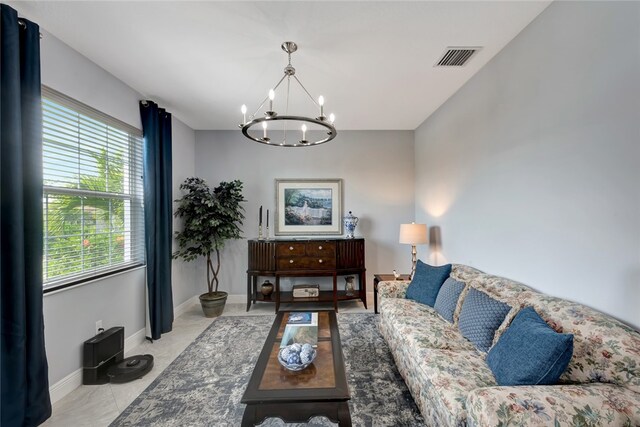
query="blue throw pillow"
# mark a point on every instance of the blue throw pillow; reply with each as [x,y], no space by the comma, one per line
[530,352]
[426,282]
[447,298]
[480,316]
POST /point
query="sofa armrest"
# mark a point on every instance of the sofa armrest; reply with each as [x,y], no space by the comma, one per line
[393,288]
[579,404]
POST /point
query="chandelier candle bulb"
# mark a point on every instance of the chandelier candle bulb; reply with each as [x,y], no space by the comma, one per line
[321,102]
[272,96]
[264,130]
[332,118]
[304,132]
[243,109]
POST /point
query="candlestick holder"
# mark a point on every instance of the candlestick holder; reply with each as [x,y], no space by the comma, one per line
[260,237]
[268,235]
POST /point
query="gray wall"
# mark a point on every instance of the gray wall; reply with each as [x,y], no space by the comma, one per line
[377,169]
[531,169]
[183,152]
[70,315]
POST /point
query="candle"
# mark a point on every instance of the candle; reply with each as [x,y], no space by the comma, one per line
[264,130]
[304,132]
[332,118]
[260,214]
[272,95]
[243,109]
[321,102]
[267,218]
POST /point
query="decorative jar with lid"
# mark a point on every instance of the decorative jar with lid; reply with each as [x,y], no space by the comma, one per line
[350,222]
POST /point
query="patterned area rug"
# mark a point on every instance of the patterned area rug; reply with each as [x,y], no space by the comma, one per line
[203,386]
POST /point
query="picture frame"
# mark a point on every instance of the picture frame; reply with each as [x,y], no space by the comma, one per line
[308,207]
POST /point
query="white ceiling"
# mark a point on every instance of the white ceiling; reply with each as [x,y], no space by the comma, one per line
[372,61]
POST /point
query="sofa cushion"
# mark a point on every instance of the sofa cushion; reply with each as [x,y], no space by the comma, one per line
[464,273]
[447,298]
[481,315]
[419,326]
[426,282]
[392,288]
[559,405]
[604,349]
[530,352]
[447,377]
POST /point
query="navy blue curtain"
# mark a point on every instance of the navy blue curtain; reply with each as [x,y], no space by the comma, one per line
[24,383]
[158,214]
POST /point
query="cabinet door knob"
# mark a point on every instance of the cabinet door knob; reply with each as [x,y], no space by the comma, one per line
[290,248]
[320,248]
[290,261]
[320,261]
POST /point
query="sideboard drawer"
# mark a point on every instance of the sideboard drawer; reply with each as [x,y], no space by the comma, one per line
[306,263]
[289,249]
[321,249]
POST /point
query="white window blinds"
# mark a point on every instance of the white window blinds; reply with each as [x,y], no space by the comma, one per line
[93,192]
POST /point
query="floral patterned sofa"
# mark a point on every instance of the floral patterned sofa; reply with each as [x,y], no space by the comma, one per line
[453,385]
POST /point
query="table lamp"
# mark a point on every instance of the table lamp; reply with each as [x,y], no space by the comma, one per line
[413,234]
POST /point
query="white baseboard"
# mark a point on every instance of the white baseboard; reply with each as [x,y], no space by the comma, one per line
[65,385]
[237,298]
[134,340]
[184,307]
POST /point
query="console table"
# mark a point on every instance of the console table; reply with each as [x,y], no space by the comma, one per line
[305,258]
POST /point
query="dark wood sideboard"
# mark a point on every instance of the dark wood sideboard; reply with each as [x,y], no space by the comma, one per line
[305,258]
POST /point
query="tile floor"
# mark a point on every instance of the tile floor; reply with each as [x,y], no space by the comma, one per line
[96,406]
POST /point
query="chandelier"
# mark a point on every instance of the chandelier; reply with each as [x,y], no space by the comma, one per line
[285,130]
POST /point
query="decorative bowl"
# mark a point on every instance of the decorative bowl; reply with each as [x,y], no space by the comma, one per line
[296,357]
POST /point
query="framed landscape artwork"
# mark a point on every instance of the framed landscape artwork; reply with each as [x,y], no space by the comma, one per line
[308,207]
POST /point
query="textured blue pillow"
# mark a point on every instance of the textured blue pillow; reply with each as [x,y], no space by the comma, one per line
[447,298]
[530,352]
[426,282]
[480,316]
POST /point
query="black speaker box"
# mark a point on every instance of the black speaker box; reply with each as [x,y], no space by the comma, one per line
[101,352]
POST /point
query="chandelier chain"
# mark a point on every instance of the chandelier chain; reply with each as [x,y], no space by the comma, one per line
[286,111]
[306,91]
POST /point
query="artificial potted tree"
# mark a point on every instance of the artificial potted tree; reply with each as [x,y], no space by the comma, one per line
[211,218]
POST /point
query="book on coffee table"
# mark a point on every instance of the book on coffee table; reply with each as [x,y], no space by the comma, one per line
[303,318]
[302,328]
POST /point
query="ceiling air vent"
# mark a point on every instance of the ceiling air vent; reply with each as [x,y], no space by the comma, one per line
[456,56]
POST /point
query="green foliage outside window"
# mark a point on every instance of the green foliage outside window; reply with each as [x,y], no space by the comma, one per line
[86,233]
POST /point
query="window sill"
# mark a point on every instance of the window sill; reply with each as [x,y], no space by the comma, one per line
[87,281]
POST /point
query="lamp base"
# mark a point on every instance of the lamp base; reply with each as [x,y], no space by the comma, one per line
[414,261]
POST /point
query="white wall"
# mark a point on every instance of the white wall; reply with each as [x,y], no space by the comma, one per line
[184,281]
[70,315]
[531,169]
[377,169]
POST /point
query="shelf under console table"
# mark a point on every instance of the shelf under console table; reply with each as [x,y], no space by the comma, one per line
[305,258]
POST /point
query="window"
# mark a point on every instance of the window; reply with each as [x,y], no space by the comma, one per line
[93,204]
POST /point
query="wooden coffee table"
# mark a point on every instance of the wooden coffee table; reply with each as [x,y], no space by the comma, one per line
[319,390]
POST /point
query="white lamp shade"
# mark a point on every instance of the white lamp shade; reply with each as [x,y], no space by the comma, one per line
[413,234]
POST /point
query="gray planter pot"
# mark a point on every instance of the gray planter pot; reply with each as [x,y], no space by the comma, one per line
[213,304]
